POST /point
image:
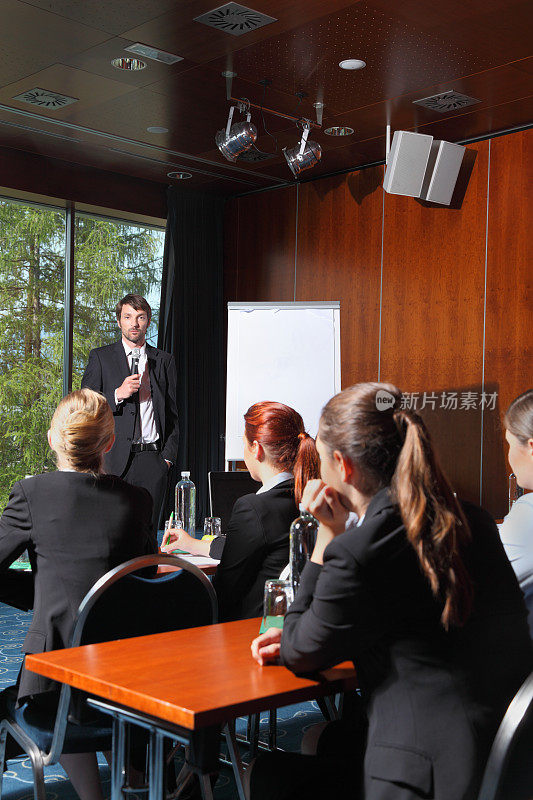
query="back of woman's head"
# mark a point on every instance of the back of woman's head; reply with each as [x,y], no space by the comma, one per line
[81,429]
[519,417]
[288,447]
[392,447]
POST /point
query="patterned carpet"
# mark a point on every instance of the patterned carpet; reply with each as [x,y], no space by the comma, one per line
[18,782]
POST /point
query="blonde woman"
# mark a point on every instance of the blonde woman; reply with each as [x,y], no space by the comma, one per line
[76,523]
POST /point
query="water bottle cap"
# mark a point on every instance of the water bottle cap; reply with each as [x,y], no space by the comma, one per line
[186,474]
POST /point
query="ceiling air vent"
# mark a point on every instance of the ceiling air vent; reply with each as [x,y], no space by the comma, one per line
[153,53]
[45,99]
[235,19]
[253,156]
[446,101]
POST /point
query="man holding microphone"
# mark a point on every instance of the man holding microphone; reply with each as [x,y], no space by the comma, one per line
[139,382]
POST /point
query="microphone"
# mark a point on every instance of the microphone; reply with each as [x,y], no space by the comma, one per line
[135,356]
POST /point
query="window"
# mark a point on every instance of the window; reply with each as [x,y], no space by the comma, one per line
[111,258]
[32,264]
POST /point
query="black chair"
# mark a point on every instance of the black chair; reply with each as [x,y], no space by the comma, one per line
[119,606]
[224,489]
[512,751]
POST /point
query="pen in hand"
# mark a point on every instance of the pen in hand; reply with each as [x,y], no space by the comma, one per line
[166,535]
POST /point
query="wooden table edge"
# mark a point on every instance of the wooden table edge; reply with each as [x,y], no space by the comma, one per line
[187,718]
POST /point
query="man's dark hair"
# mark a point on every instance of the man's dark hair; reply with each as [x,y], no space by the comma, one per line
[137,302]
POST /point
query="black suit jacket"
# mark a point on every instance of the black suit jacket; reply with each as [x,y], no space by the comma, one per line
[256,549]
[433,699]
[106,369]
[75,527]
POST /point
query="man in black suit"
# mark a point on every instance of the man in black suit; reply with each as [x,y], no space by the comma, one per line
[139,382]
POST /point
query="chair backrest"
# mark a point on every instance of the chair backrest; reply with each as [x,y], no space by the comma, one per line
[517,719]
[121,605]
[224,489]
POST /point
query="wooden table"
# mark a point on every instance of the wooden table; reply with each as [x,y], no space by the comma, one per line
[188,679]
[206,564]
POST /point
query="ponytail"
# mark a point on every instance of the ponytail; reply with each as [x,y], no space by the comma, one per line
[435,524]
[306,464]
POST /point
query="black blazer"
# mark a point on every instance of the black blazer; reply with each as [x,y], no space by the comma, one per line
[433,699]
[256,549]
[76,527]
[106,369]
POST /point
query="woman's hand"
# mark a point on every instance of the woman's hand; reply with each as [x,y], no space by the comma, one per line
[177,539]
[265,649]
[324,503]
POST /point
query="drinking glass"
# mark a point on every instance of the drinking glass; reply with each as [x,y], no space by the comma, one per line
[212,527]
[278,597]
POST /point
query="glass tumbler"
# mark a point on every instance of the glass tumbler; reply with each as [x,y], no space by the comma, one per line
[212,527]
[278,597]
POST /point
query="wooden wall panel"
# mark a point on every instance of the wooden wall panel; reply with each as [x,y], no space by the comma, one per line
[432,313]
[339,258]
[433,292]
[266,246]
[508,339]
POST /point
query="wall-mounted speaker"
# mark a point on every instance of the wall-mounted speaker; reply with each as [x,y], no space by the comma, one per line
[407,162]
[420,166]
[442,170]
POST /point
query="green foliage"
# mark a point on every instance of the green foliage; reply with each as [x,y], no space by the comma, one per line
[111,260]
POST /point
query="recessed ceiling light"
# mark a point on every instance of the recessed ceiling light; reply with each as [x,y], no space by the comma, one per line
[339,130]
[179,176]
[130,64]
[156,129]
[352,63]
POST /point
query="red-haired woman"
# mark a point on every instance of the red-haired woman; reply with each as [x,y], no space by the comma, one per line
[282,456]
[419,595]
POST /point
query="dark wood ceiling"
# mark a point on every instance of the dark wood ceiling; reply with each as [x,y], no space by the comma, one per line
[413,49]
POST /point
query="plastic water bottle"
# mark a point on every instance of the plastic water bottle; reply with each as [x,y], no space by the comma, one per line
[185,503]
[302,541]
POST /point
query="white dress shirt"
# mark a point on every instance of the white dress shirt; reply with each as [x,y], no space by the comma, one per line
[148,428]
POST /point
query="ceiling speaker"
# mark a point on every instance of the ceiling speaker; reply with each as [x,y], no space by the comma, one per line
[407,162]
[441,175]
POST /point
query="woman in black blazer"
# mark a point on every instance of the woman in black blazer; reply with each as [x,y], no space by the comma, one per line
[282,456]
[76,523]
[419,595]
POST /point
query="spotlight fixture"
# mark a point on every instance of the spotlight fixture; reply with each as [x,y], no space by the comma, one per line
[339,130]
[305,155]
[179,176]
[239,137]
[352,63]
[130,64]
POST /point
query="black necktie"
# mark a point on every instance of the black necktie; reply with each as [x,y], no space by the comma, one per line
[137,430]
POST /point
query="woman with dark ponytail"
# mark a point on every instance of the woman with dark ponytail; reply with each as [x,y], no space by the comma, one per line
[419,595]
[283,458]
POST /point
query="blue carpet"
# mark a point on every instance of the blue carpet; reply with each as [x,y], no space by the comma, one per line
[18,782]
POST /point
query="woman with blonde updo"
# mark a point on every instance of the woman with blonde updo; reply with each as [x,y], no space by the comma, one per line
[76,523]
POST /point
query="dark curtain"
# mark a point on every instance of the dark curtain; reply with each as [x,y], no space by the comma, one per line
[191,327]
